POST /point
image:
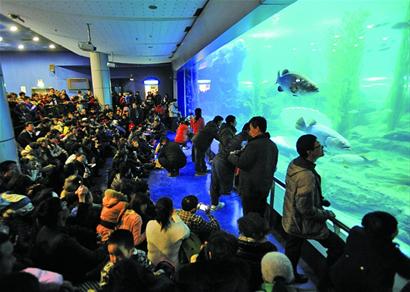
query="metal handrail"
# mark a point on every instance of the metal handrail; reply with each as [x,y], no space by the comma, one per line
[335,221]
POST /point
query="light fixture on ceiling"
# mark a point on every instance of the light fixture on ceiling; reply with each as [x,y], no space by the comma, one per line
[131,78]
[20,47]
[36,39]
[152,7]
[13,28]
[1,39]
[52,46]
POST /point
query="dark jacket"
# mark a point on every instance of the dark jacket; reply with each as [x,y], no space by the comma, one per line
[252,253]
[56,251]
[203,139]
[303,214]
[26,138]
[257,163]
[226,134]
[368,264]
[214,276]
[173,153]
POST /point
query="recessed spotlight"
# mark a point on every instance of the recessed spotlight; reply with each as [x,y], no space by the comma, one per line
[20,47]
[52,46]
[36,39]
[152,7]
[1,39]
[13,28]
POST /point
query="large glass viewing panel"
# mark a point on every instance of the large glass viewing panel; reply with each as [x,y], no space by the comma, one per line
[338,70]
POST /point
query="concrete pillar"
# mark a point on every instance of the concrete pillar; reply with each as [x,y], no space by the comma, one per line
[8,149]
[100,74]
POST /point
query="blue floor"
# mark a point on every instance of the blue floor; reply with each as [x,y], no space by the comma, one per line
[187,183]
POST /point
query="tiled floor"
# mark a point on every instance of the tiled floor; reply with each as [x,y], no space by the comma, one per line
[186,183]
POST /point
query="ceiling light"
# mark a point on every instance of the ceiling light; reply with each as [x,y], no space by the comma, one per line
[152,7]
[20,47]
[36,39]
[1,39]
[13,28]
[52,46]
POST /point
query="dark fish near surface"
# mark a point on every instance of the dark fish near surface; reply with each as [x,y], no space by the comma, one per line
[294,84]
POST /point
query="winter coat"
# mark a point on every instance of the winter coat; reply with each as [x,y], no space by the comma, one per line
[204,138]
[132,221]
[181,135]
[226,134]
[197,125]
[303,214]
[257,163]
[173,153]
[114,203]
[368,264]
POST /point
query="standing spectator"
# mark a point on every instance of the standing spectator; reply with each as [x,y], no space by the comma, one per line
[197,124]
[171,157]
[257,163]
[173,114]
[303,214]
[371,258]
[222,170]
[195,222]
[202,141]
[165,234]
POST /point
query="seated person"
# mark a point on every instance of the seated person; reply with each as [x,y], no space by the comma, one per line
[371,258]
[253,245]
[165,234]
[195,222]
[171,157]
[120,246]
[132,221]
[217,268]
[55,250]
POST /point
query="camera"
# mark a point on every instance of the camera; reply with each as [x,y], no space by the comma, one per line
[203,207]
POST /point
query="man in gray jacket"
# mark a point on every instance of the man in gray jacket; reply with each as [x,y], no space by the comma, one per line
[303,213]
[257,163]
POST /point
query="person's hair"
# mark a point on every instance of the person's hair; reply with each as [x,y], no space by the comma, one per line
[259,122]
[305,143]
[253,225]
[121,237]
[164,139]
[230,119]
[222,245]
[379,224]
[198,113]
[163,212]
[218,119]
[47,212]
[28,123]
[127,275]
[19,282]
[189,202]
[276,267]
[245,128]
[6,165]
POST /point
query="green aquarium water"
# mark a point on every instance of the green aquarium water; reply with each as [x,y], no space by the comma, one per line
[338,70]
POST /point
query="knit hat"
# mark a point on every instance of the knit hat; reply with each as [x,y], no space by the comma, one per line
[275,264]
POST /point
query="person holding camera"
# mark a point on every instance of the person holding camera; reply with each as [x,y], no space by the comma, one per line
[303,214]
[196,223]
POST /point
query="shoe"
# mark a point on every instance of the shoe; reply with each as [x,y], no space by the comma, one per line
[217,207]
[300,279]
[200,173]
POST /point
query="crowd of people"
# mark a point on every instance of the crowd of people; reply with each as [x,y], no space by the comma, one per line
[76,212]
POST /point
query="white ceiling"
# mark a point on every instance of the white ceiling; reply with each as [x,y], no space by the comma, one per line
[126,29]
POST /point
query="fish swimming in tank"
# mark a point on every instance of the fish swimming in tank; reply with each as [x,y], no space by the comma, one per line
[295,84]
[328,137]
